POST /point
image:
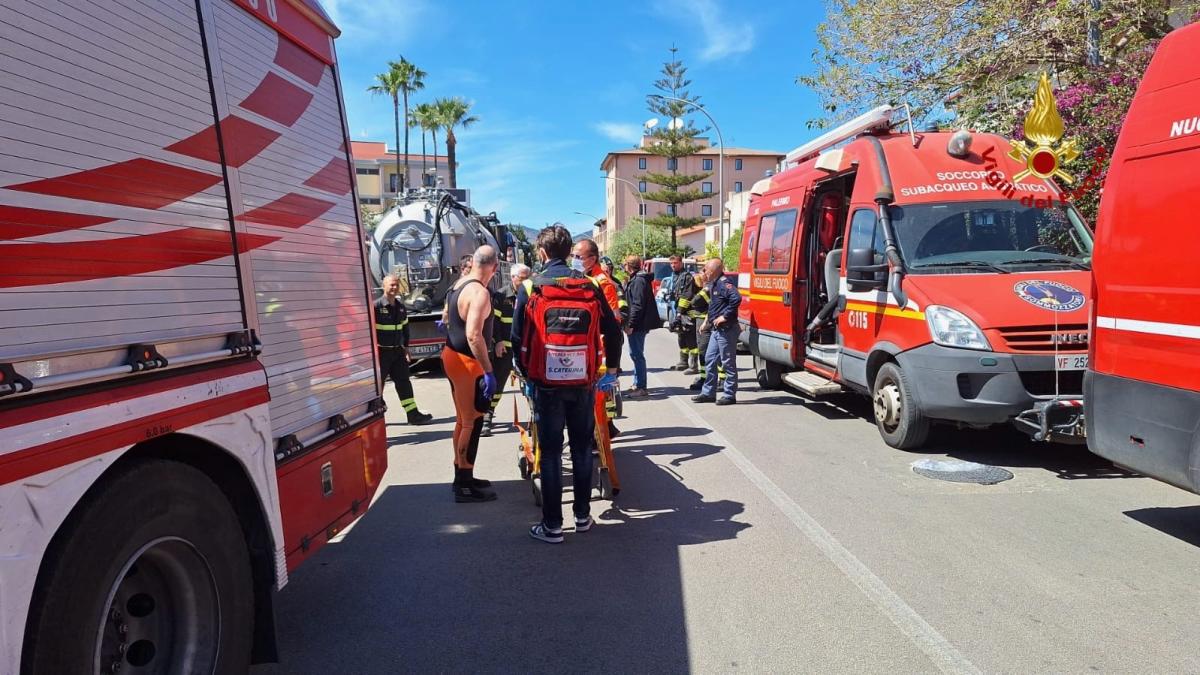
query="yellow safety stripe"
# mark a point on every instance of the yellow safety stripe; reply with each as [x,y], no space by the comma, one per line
[887,310]
[409,404]
[506,319]
[621,302]
[497,313]
[506,343]
[391,326]
[684,303]
[760,296]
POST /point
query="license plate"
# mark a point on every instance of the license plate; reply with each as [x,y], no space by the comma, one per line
[1071,362]
[423,351]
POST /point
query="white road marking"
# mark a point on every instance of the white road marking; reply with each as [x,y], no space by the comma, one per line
[924,636]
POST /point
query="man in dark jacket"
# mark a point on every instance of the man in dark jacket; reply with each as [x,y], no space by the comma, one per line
[391,332]
[643,318]
[722,347]
[569,407]
[679,298]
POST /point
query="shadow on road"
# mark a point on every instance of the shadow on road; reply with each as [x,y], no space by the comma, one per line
[1181,522]
[422,584]
[1007,447]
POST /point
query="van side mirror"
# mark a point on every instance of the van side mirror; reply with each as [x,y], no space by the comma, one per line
[865,271]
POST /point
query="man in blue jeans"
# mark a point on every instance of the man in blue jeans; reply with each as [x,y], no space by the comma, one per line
[569,408]
[722,347]
[643,318]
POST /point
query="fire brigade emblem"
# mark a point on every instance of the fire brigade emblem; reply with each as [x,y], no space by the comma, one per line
[1051,295]
[1041,150]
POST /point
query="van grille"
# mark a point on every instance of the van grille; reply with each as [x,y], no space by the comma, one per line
[1041,382]
[1066,338]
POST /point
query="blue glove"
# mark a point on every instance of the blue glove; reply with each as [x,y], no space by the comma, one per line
[527,389]
[607,383]
[441,327]
[489,386]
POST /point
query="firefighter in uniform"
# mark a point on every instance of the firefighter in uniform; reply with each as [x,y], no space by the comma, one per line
[502,313]
[683,288]
[697,313]
[391,332]
[588,254]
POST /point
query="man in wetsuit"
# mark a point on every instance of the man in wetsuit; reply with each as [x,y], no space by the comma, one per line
[391,333]
[467,361]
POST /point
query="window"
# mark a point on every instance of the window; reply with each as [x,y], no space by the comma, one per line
[672,164]
[707,165]
[737,187]
[393,182]
[706,187]
[641,186]
[372,201]
[672,209]
[866,233]
[706,209]
[366,172]
[642,163]
[641,209]
[737,164]
[774,253]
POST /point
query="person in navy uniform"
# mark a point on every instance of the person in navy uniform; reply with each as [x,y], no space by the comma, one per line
[723,301]
[391,332]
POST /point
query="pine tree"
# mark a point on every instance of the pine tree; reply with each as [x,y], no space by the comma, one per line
[674,139]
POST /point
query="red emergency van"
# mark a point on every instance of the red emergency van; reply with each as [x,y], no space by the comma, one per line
[1143,385]
[912,267]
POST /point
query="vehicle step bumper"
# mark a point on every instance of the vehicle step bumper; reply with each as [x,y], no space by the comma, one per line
[1059,420]
[811,384]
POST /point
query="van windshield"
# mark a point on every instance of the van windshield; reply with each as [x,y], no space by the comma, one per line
[991,234]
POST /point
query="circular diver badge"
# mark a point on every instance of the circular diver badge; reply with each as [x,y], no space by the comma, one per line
[1051,295]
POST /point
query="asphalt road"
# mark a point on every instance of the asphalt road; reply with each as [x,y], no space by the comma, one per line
[778,535]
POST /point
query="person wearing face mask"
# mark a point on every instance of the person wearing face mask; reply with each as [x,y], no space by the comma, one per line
[466,358]
[586,258]
[560,322]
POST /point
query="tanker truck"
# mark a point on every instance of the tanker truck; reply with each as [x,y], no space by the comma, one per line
[421,239]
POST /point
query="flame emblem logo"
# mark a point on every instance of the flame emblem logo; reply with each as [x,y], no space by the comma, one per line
[1041,151]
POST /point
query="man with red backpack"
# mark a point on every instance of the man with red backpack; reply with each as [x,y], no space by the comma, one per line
[558,320]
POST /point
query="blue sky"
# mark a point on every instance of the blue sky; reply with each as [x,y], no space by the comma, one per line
[557,85]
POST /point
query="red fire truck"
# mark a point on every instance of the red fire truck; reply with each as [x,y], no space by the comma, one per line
[1143,385]
[189,397]
[889,263]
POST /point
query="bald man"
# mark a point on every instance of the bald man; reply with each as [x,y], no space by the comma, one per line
[722,320]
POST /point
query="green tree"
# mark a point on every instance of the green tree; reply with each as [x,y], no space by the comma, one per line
[628,241]
[389,83]
[425,115]
[411,79]
[732,253]
[975,64]
[452,113]
[675,138]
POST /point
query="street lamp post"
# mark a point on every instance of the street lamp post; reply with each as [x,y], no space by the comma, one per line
[720,167]
[637,193]
[594,217]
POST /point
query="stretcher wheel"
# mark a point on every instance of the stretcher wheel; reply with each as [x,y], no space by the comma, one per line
[537,491]
[523,465]
[620,406]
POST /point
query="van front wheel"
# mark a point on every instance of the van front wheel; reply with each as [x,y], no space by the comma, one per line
[769,375]
[897,413]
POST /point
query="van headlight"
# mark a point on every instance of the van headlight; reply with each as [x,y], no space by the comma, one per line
[951,328]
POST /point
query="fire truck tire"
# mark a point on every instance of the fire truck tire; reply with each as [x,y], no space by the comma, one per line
[151,573]
[769,375]
[898,414]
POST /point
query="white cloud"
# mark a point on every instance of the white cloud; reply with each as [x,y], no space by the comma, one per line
[620,132]
[724,35]
[372,23]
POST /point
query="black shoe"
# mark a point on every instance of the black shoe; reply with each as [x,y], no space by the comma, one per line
[680,366]
[418,417]
[726,400]
[703,398]
[467,494]
[697,384]
[613,431]
[473,482]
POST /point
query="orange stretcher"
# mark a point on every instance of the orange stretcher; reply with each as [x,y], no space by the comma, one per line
[604,471]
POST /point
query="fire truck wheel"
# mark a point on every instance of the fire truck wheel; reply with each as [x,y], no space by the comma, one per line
[150,574]
[769,375]
[897,412]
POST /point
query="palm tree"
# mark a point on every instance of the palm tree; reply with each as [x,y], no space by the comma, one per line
[452,112]
[411,79]
[424,115]
[389,84]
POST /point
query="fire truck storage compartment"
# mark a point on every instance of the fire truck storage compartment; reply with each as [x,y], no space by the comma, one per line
[109,222]
[313,312]
[318,485]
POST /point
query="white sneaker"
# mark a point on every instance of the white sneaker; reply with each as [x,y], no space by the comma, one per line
[543,533]
[584,525]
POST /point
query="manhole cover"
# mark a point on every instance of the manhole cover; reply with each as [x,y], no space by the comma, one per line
[958,471]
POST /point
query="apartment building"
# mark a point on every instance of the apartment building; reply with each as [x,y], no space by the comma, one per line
[743,167]
[378,182]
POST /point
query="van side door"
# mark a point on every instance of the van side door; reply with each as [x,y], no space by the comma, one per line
[863,317]
[773,284]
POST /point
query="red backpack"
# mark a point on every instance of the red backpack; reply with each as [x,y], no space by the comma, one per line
[561,345]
